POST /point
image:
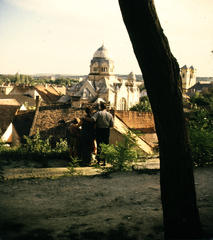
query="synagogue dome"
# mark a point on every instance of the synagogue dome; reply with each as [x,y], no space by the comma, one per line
[102,52]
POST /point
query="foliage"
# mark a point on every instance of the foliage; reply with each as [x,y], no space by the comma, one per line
[21,78]
[36,149]
[142,87]
[144,105]
[121,155]
[61,148]
[205,98]
[198,99]
[208,96]
[200,126]
[72,165]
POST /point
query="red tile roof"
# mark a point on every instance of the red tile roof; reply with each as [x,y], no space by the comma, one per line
[47,93]
[11,102]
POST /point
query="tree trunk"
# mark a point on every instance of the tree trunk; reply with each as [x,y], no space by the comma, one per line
[163,83]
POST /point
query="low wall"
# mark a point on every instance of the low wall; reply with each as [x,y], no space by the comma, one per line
[143,121]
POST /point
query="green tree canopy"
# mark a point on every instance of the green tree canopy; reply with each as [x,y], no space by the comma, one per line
[144,105]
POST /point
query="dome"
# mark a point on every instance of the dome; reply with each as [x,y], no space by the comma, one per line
[102,52]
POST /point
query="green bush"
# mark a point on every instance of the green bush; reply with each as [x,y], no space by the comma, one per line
[199,100]
[121,155]
[72,165]
[61,148]
[144,105]
[200,126]
[36,149]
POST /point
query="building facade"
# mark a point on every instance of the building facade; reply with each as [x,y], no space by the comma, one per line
[102,85]
[188,75]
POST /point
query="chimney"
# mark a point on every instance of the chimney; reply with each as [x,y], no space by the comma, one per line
[37,101]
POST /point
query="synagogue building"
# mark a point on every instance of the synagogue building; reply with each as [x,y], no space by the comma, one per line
[102,85]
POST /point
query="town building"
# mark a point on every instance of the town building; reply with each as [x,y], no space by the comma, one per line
[6,88]
[45,93]
[102,85]
[199,87]
[188,75]
[53,119]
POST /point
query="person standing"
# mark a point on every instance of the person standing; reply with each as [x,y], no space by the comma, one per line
[74,135]
[87,136]
[104,121]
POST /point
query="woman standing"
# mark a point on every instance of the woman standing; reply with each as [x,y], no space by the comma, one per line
[87,136]
[74,135]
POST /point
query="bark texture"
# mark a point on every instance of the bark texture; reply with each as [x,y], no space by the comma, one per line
[163,83]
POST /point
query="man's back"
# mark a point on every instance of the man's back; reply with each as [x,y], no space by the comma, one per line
[103,119]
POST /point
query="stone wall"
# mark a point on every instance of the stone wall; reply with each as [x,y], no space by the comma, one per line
[143,121]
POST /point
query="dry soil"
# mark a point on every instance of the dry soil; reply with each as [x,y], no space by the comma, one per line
[123,205]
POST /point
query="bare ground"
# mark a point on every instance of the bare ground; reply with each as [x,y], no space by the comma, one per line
[122,205]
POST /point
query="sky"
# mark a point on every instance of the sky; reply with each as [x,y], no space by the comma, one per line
[61,36]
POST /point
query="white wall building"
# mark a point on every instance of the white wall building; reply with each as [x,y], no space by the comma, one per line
[188,75]
[102,83]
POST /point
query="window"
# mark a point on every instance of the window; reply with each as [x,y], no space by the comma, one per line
[95,69]
[86,93]
[183,75]
[122,104]
[104,69]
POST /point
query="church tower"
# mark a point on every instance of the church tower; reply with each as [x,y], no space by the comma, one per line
[188,75]
[101,65]
[131,79]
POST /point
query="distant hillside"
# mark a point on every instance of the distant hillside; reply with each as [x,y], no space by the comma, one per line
[122,76]
[209,79]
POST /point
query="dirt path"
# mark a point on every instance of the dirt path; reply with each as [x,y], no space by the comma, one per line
[122,206]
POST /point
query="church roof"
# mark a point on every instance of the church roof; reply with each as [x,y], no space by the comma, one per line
[185,67]
[103,85]
[102,52]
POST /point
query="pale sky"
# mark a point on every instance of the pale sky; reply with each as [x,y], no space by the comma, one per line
[61,36]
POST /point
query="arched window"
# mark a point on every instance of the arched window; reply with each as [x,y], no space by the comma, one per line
[95,69]
[104,69]
[122,104]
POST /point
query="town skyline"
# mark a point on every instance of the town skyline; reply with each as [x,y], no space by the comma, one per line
[60,37]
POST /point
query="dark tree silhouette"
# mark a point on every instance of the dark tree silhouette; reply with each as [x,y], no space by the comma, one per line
[163,83]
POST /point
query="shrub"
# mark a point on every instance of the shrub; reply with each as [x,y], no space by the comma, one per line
[36,148]
[61,148]
[122,155]
[200,128]
[143,105]
[199,100]
[72,165]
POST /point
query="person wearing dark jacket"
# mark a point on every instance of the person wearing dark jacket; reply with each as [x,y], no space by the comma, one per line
[104,121]
[87,136]
[74,135]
